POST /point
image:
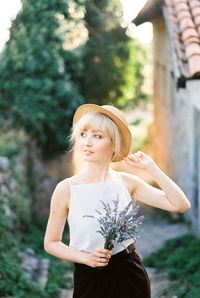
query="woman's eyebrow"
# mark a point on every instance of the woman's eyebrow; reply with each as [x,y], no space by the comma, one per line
[94,130]
[97,130]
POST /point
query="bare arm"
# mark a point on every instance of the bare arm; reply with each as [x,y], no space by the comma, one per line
[170,198]
[53,244]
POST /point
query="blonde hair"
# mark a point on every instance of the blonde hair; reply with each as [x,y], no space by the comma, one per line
[97,121]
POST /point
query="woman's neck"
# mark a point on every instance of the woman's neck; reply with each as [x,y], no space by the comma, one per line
[95,173]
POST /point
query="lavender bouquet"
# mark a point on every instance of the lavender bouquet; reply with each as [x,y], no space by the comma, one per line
[117,226]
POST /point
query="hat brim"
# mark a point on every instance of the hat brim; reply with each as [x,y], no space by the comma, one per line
[124,130]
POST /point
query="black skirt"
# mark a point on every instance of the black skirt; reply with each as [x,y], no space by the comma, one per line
[123,277]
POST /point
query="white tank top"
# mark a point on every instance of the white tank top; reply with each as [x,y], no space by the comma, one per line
[85,198]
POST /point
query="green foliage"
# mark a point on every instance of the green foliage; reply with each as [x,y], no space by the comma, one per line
[133,77]
[13,282]
[36,89]
[7,149]
[18,232]
[181,258]
[59,268]
[113,62]
[62,54]
[13,147]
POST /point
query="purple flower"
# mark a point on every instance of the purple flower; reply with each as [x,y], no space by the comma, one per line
[117,225]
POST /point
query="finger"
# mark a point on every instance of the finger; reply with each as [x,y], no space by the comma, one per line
[135,158]
[102,260]
[101,255]
[130,162]
[141,154]
[102,264]
[132,157]
[103,250]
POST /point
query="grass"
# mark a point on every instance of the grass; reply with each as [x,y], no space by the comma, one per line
[180,257]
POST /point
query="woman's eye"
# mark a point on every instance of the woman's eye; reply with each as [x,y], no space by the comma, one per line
[98,136]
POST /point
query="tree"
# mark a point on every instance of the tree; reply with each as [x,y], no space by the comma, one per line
[62,54]
[36,89]
[113,62]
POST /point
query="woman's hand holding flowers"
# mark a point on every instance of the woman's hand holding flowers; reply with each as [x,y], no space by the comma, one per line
[99,258]
[140,160]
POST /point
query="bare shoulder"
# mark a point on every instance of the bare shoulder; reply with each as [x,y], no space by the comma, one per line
[130,180]
[61,194]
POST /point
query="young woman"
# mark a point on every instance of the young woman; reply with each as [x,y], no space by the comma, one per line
[102,136]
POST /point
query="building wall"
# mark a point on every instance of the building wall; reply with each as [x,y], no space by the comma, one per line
[193,88]
[185,124]
[162,96]
[177,124]
[181,126]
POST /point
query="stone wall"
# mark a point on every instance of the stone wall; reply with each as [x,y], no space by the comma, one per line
[43,176]
[34,268]
[7,186]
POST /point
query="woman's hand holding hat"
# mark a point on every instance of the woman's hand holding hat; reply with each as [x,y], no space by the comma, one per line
[140,160]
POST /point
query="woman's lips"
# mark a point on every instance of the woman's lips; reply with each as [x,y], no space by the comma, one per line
[87,152]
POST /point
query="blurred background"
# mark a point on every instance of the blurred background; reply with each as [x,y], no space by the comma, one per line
[140,56]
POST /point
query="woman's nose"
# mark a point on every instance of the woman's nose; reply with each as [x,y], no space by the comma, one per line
[88,141]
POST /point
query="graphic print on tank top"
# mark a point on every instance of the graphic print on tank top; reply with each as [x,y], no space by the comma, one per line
[85,199]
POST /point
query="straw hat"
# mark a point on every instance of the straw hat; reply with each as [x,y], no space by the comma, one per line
[119,119]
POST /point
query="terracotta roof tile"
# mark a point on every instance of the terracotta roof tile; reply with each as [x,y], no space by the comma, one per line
[191,39]
[184,17]
[189,32]
[181,53]
[197,20]
[181,6]
[194,65]
[192,49]
[186,23]
[177,1]
[183,14]
[194,3]
[195,11]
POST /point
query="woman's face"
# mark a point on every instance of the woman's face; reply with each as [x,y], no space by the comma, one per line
[95,145]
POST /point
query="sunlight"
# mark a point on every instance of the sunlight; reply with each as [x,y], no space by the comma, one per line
[10,8]
[131,8]
[8,11]
[143,32]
